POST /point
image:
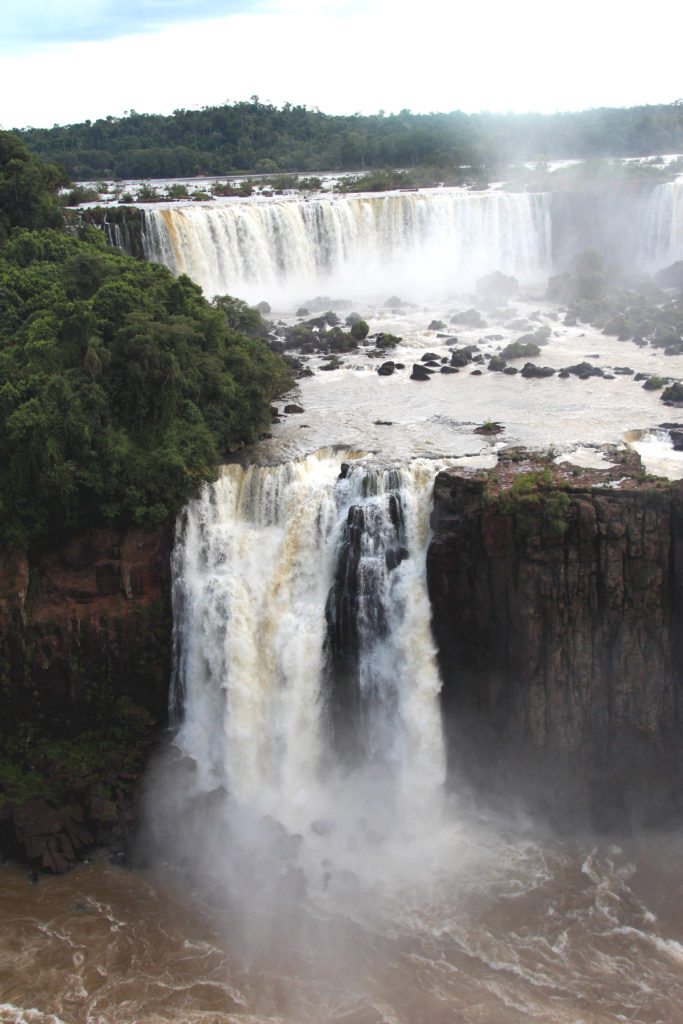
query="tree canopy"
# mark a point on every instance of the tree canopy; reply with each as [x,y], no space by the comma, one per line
[121,387]
[255,136]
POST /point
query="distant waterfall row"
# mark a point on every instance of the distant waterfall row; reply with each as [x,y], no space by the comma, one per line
[663,231]
[286,250]
[303,639]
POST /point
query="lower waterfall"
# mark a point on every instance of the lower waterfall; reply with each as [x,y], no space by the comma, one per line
[304,655]
[288,249]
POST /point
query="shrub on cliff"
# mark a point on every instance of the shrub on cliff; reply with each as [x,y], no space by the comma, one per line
[121,388]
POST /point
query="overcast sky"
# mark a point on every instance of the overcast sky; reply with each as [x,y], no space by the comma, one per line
[62,61]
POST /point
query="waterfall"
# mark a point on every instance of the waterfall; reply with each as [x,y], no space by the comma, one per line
[663,228]
[303,641]
[291,248]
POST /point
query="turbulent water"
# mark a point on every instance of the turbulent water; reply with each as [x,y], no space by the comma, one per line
[663,229]
[291,249]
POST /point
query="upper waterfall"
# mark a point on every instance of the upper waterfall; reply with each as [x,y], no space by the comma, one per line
[288,249]
[663,229]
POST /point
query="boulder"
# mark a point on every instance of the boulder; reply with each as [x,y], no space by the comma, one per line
[531,370]
[386,369]
[419,372]
[460,357]
[468,318]
[673,395]
[520,350]
[293,408]
[584,370]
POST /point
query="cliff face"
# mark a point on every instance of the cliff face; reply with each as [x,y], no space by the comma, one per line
[558,612]
[83,624]
[85,641]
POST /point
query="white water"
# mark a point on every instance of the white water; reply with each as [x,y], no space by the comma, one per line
[256,558]
[663,230]
[288,250]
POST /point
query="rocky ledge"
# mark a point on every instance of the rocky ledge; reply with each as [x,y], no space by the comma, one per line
[557,598]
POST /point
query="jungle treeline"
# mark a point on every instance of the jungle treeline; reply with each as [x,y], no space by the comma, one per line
[252,136]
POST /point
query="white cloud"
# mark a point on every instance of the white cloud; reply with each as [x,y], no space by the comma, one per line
[360,57]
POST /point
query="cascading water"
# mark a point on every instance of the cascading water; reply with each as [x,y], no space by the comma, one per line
[288,249]
[305,659]
[663,229]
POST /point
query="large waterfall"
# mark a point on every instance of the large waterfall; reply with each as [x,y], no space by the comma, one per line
[289,249]
[304,648]
[663,229]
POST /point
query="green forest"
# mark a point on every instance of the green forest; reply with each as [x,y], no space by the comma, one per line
[258,137]
[121,387]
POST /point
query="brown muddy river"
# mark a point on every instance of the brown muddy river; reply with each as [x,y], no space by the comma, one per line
[508,929]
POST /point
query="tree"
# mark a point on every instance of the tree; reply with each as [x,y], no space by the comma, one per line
[28,188]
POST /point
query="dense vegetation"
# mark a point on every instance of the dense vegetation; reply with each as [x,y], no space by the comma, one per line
[121,388]
[254,136]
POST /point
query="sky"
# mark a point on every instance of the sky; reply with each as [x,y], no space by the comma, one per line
[65,61]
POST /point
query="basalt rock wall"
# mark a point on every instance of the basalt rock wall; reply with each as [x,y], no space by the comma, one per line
[84,624]
[558,617]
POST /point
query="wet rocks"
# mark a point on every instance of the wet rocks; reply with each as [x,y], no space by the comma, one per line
[386,369]
[293,409]
[394,556]
[468,318]
[460,357]
[673,395]
[496,364]
[583,370]
[385,340]
[520,350]
[420,372]
[531,370]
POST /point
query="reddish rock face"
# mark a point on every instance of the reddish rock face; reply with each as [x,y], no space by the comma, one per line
[88,619]
[560,635]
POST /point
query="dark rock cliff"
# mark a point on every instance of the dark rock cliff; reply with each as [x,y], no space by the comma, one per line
[85,622]
[85,647]
[557,609]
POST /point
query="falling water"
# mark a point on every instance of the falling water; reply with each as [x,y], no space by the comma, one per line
[663,230]
[303,627]
[292,248]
